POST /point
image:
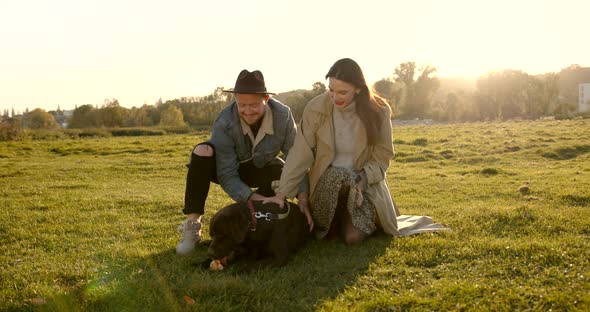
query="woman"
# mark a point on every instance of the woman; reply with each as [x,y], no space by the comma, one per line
[344,144]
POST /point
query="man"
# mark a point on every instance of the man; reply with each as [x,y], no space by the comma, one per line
[243,153]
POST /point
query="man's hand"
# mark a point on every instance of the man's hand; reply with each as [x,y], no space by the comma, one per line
[302,199]
[257,197]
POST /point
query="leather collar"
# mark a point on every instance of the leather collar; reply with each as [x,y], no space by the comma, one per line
[269,216]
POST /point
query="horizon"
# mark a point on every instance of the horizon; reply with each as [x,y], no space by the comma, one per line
[154,102]
[65,53]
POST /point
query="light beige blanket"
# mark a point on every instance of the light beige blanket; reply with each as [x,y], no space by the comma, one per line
[410,225]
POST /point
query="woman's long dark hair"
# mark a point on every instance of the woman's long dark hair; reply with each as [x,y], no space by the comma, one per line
[369,105]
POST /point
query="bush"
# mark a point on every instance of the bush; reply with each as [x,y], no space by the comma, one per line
[137,132]
[88,133]
[183,129]
[11,130]
[45,134]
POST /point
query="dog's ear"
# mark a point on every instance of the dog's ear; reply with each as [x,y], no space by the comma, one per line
[220,224]
[215,224]
[234,226]
[238,227]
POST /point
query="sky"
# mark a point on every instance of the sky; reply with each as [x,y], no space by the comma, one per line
[74,52]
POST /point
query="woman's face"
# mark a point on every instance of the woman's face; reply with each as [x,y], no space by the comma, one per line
[342,93]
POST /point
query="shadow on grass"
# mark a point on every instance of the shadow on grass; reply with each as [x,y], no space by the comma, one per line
[565,153]
[319,272]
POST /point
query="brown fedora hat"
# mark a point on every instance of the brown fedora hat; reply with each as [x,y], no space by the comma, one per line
[250,83]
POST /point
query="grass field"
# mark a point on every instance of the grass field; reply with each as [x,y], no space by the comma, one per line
[89,224]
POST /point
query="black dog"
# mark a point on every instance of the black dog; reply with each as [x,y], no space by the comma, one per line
[261,234]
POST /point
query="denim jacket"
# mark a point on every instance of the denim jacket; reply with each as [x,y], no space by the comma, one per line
[233,147]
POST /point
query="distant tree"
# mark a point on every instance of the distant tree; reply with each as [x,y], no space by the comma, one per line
[84,116]
[550,93]
[488,103]
[447,110]
[535,102]
[112,114]
[139,117]
[318,87]
[509,94]
[384,88]
[405,73]
[569,80]
[454,93]
[12,114]
[391,91]
[153,113]
[172,117]
[295,99]
[424,89]
[59,116]
[298,99]
[5,114]
[415,100]
[209,106]
[513,95]
[452,107]
[39,119]
[199,111]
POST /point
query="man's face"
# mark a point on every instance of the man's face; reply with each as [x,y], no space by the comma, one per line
[251,106]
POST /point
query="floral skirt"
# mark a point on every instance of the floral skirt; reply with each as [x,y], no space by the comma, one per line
[325,201]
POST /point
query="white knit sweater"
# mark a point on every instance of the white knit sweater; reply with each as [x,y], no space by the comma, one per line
[346,126]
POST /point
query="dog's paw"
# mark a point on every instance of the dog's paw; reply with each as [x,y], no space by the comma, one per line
[216,265]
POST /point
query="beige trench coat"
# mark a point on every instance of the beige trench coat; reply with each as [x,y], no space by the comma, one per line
[314,149]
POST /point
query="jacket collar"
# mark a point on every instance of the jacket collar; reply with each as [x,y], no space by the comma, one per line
[265,216]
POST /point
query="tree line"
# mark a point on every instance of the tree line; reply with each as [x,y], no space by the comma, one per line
[413,92]
[416,92]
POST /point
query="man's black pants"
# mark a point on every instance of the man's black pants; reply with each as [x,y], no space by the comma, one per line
[203,170]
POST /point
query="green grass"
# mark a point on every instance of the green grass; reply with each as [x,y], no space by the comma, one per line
[89,224]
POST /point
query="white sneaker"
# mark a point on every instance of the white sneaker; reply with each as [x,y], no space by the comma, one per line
[191,234]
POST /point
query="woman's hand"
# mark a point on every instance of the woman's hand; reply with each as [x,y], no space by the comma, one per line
[304,206]
[278,199]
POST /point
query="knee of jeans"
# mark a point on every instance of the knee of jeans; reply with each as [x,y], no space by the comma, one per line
[203,150]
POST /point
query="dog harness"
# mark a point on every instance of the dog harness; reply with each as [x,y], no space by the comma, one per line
[269,216]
